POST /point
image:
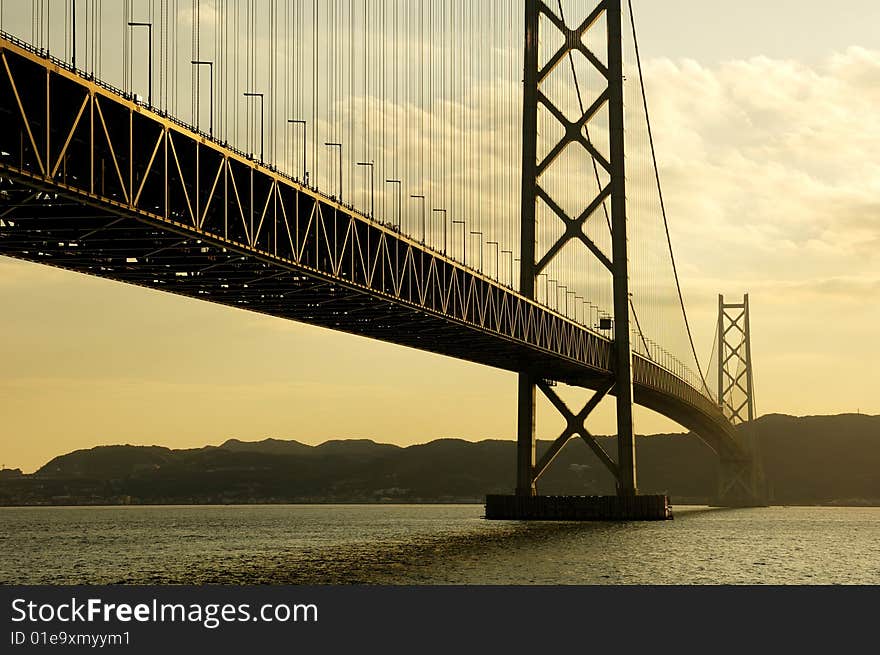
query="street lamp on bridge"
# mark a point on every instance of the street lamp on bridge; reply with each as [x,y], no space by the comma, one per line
[546,288]
[424,220]
[149,27]
[299,121]
[495,243]
[564,289]
[73,33]
[399,200]
[210,65]
[463,241]
[509,252]
[251,94]
[445,235]
[555,295]
[481,248]
[372,186]
[338,145]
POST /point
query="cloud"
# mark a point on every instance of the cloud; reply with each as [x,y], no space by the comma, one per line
[770,165]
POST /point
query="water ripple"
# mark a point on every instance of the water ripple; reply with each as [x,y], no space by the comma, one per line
[432,544]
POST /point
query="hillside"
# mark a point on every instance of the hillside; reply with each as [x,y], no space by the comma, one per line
[818,459]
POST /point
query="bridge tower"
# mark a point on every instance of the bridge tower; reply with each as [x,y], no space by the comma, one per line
[576,134]
[741,480]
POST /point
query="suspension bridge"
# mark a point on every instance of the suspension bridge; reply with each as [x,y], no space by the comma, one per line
[476,180]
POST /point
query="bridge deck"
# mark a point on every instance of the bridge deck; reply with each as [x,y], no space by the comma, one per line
[93,182]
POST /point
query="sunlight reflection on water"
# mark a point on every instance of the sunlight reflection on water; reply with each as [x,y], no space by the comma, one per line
[432,544]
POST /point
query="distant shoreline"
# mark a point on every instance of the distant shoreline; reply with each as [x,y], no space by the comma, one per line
[361,503]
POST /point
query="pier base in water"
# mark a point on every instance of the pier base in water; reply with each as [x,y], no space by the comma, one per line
[578,508]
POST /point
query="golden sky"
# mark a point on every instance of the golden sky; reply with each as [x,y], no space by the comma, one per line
[767,130]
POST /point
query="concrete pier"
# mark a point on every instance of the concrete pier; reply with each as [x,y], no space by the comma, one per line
[578,508]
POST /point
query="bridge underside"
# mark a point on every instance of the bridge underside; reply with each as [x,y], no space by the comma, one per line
[94,183]
[42,230]
[45,232]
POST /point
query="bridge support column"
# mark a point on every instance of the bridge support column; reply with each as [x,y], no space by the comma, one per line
[626,445]
[526,505]
[525,448]
[740,483]
[740,480]
[536,185]
[525,441]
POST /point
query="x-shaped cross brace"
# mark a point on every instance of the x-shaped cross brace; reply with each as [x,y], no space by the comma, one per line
[575,426]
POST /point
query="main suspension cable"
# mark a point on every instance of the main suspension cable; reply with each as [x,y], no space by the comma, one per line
[660,192]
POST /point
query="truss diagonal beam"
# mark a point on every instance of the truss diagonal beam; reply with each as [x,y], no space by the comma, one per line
[574,427]
[24,117]
[573,228]
[573,40]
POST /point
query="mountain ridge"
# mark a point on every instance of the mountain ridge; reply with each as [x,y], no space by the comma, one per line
[810,460]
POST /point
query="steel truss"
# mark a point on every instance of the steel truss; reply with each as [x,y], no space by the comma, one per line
[576,133]
[741,479]
[94,182]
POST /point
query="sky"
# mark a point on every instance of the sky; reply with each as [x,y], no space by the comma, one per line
[767,132]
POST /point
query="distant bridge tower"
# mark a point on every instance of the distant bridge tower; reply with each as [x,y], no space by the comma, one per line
[576,134]
[741,481]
